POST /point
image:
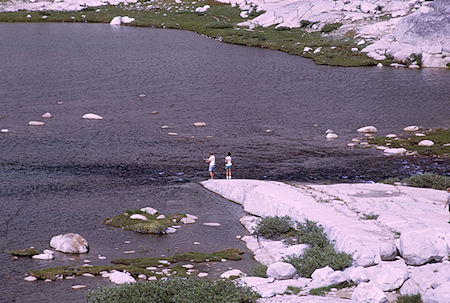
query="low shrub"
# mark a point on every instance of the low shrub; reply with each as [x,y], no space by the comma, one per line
[274,227]
[310,233]
[259,270]
[175,290]
[428,181]
[409,299]
[331,27]
[318,257]
[292,290]
[391,181]
[322,291]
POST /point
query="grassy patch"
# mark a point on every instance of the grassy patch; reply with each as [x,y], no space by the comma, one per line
[175,290]
[292,290]
[327,28]
[428,181]
[259,270]
[409,299]
[310,233]
[152,226]
[137,266]
[219,21]
[322,291]
[274,227]
[27,252]
[370,217]
[318,257]
[410,142]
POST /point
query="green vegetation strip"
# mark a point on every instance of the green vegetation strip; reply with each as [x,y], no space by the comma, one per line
[219,22]
[409,299]
[322,291]
[27,252]
[424,181]
[152,226]
[175,290]
[321,252]
[410,142]
[137,266]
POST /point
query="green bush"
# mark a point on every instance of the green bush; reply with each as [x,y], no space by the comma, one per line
[310,233]
[218,24]
[174,290]
[428,181]
[322,291]
[390,181]
[259,270]
[274,227]
[331,27]
[318,257]
[409,299]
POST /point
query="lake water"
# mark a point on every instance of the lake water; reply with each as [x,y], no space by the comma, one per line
[70,174]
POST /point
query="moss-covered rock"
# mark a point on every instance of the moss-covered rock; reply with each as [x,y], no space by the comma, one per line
[27,252]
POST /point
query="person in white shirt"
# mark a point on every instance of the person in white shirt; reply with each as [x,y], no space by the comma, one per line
[212,164]
[228,166]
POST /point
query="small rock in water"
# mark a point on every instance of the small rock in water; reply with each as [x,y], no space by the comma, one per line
[199,124]
[47,115]
[329,131]
[426,143]
[36,123]
[30,278]
[164,126]
[43,257]
[211,224]
[160,217]
[351,144]
[141,95]
[88,275]
[170,230]
[138,217]
[87,261]
[356,140]
[92,117]
[367,129]
[60,103]
[379,65]
[391,136]
[412,128]
[268,130]
[127,242]
[129,252]
[78,286]
[4,130]
[101,257]
[48,280]
[331,136]
[196,243]
[202,274]
[172,134]
[154,112]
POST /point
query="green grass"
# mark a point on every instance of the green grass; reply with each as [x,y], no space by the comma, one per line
[409,299]
[370,217]
[327,28]
[428,181]
[259,270]
[175,290]
[220,21]
[152,226]
[274,227]
[410,142]
[137,266]
[292,290]
[318,257]
[322,291]
[309,232]
[27,252]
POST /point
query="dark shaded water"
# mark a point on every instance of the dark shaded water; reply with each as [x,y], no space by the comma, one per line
[70,174]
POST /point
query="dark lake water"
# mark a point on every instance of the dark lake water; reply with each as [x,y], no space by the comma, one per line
[70,174]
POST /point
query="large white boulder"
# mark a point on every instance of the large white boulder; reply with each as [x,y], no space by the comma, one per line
[322,274]
[388,251]
[390,275]
[368,293]
[420,247]
[281,270]
[359,275]
[426,143]
[118,277]
[409,288]
[69,243]
[119,20]
[441,294]
[367,129]
[426,277]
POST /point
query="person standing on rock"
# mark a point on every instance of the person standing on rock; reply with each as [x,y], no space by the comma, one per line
[228,166]
[448,201]
[212,164]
